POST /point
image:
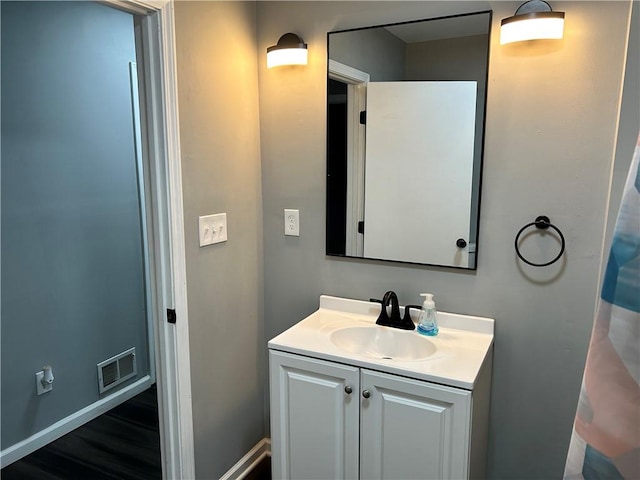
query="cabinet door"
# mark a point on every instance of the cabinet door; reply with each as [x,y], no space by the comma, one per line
[314,421]
[412,429]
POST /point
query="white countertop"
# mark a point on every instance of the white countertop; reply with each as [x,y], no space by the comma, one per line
[463,343]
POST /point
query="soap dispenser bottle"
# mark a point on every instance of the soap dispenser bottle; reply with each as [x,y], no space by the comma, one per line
[427,323]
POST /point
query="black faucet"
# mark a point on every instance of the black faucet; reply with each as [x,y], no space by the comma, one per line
[394,321]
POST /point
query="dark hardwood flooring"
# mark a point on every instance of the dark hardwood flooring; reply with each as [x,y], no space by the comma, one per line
[122,444]
[262,471]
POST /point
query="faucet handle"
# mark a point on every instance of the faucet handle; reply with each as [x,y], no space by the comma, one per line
[407,322]
[407,308]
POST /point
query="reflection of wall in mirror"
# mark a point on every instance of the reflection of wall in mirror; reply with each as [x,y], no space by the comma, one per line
[374,51]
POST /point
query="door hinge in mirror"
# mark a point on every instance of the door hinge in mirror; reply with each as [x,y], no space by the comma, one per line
[363,117]
[361,227]
[171,315]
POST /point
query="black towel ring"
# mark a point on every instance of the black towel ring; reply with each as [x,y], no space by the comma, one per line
[542,223]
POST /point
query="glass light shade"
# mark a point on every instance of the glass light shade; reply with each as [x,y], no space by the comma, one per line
[532,26]
[287,56]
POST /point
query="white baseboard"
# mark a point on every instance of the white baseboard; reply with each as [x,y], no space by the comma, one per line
[250,461]
[62,427]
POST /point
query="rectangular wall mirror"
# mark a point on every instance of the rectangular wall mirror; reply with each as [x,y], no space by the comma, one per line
[405,134]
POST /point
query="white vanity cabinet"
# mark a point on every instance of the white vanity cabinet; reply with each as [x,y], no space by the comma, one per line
[314,421]
[354,400]
[410,429]
[334,421]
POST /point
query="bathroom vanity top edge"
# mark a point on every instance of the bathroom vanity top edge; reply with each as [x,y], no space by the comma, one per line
[468,384]
[460,353]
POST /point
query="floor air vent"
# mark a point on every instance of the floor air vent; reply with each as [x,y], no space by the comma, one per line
[117,369]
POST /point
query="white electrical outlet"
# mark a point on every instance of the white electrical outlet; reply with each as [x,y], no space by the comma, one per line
[292,222]
[43,385]
[212,229]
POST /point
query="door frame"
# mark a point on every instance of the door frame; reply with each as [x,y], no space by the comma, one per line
[356,82]
[169,280]
[155,44]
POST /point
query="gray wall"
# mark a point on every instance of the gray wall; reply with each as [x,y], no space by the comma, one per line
[72,278]
[552,110]
[219,134]
[374,51]
[461,58]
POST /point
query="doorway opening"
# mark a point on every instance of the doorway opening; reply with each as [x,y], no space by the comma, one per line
[69,212]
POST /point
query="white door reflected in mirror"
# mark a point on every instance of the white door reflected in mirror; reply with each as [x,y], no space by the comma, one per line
[419,171]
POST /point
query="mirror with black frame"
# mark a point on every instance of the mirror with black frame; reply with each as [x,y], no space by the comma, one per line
[406,109]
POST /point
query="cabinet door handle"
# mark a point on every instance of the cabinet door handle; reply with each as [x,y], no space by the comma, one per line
[366,393]
[348,390]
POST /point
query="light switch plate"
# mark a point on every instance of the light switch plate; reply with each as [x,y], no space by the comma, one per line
[212,229]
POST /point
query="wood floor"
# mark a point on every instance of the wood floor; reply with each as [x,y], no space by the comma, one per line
[262,471]
[122,444]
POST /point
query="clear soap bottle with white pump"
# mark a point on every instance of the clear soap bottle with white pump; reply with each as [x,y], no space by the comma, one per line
[427,323]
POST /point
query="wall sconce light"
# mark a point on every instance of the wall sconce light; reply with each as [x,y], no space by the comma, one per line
[533,20]
[290,50]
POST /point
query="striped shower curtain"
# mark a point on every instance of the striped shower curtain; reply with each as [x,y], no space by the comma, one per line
[606,434]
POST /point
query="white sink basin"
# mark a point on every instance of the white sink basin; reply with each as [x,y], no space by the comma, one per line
[383,343]
[344,330]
